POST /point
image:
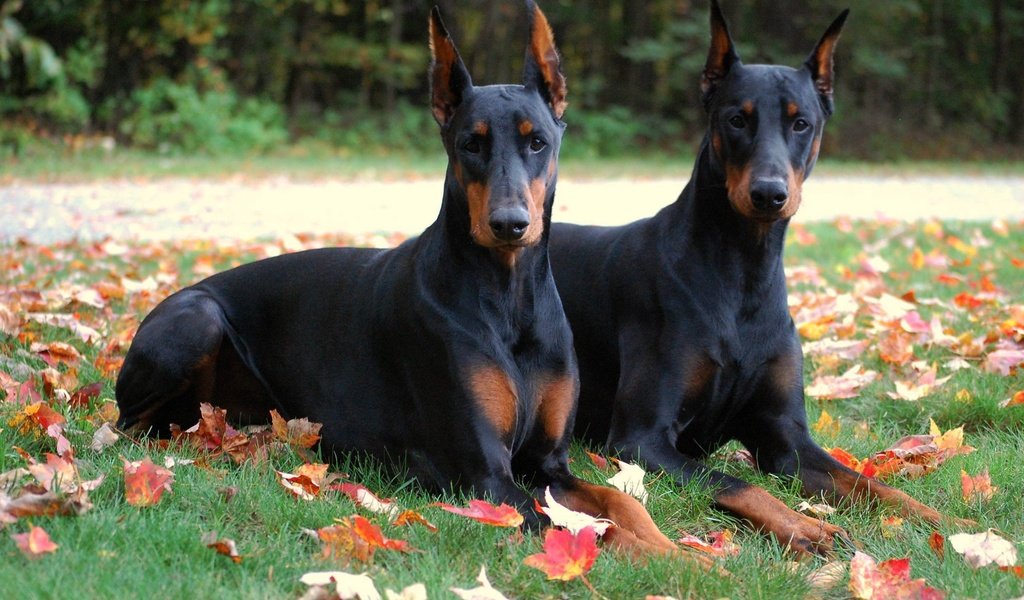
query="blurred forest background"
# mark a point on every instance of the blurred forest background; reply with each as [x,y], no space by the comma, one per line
[917,79]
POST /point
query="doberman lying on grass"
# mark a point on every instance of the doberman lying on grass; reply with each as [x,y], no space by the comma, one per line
[450,353]
[682,328]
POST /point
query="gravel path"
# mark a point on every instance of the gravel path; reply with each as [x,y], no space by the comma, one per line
[177,209]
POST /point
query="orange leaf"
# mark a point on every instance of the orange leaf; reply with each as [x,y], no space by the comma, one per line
[977,486]
[408,517]
[145,482]
[889,579]
[566,555]
[296,432]
[35,543]
[896,347]
[301,486]
[1016,400]
[487,513]
[356,538]
[864,467]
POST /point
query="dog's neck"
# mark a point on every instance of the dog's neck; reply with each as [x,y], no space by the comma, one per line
[726,243]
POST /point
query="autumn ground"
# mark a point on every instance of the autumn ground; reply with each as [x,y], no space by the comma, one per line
[904,324]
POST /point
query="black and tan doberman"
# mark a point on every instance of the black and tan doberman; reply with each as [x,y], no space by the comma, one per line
[449,353]
[682,329]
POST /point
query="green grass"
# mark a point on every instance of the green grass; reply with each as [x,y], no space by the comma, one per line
[117,550]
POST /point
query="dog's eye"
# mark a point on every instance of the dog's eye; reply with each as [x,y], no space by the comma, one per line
[472,145]
[800,125]
[537,144]
[737,121]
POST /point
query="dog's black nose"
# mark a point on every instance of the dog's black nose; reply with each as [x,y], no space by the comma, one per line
[509,224]
[769,195]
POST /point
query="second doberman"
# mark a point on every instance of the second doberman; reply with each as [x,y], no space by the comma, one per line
[682,328]
[449,353]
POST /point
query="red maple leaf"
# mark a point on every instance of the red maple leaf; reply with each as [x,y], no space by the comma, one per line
[35,543]
[145,482]
[487,513]
[566,555]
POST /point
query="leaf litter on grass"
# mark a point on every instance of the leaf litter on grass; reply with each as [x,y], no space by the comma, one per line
[919,321]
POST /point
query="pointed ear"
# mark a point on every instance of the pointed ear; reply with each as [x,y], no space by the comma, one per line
[820,62]
[721,55]
[449,78]
[543,68]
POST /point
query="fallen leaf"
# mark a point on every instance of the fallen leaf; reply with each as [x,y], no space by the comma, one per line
[297,432]
[937,542]
[721,543]
[35,543]
[977,486]
[145,482]
[826,425]
[356,538]
[487,513]
[368,500]
[566,555]
[980,549]
[1004,361]
[103,438]
[630,479]
[300,486]
[889,580]
[572,520]
[416,591]
[924,385]
[226,547]
[409,517]
[891,526]
[824,578]
[820,509]
[347,585]
[599,461]
[482,592]
[896,348]
[1017,399]
[837,387]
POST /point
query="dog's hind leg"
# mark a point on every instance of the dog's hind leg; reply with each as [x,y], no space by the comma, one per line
[174,364]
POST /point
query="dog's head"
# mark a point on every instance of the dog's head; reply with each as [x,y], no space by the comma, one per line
[502,140]
[766,121]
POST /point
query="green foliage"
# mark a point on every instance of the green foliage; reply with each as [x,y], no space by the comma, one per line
[172,117]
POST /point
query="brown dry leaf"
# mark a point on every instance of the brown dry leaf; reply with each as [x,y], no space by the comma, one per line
[223,546]
[103,438]
[296,432]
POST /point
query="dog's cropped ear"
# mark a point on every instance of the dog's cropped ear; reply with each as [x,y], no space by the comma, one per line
[820,62]
[721,55]
[543,67]
[449,78]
